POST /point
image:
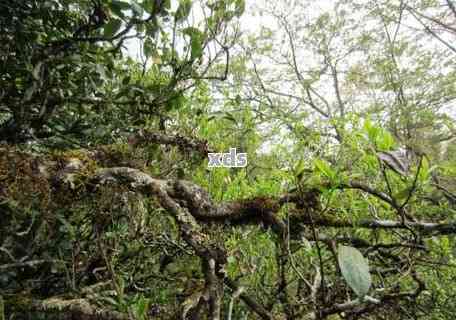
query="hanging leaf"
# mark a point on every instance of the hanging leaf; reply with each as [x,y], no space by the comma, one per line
[355,270]
[240,7]
[148,48]
[196,41]
[112,27]
[183,10]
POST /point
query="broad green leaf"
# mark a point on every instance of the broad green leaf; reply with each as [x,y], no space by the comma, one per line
[112,27]
[355,270]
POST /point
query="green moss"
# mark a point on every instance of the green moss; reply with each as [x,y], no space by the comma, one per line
[18,303]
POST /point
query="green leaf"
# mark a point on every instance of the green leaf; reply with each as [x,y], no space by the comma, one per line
[149,6]
[175,103]
[151,28]
[30,92]
[126,80]
[140,308]
[165,5]
[371,130]
[196,41]
[385,140]
[425,170]
[117,7]
[37,71]
[240,7]
[112,27]
[229,116]
[403,194]
[355,270]
[136,8]
[101,71]
[299,168]
[323,167]
[148,48]
[183,10]
[110,300]
[124,5]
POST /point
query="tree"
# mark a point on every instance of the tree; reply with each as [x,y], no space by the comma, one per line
[62,63]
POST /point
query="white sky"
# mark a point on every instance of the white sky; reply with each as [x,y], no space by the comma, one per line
[251,21]
[254,19]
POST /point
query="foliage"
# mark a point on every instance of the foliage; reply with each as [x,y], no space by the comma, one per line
[355,270]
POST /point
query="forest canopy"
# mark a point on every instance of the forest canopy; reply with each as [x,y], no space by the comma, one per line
[336,194]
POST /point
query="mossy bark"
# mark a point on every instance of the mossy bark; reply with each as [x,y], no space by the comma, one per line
[2,309]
